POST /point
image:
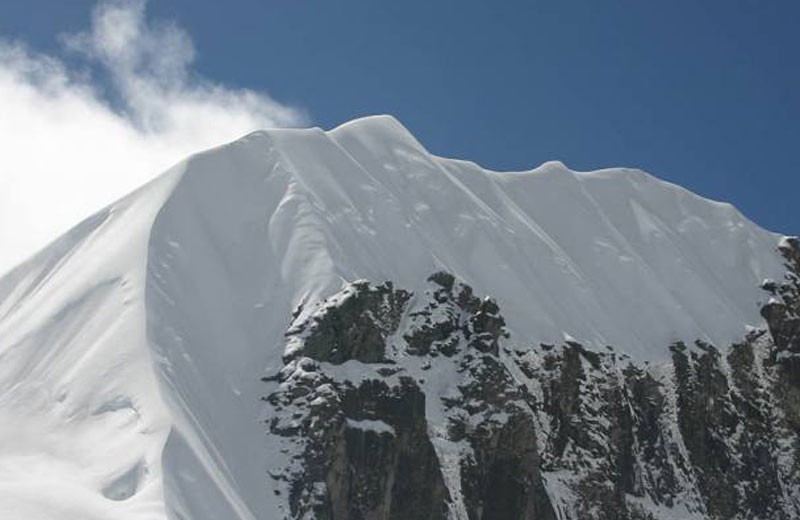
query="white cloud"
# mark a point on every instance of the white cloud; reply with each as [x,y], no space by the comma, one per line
[66,150]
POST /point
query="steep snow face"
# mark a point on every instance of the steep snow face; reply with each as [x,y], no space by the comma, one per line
[82,423]
[131,350]
[611,257]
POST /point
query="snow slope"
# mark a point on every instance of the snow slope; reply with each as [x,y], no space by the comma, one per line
[131,349]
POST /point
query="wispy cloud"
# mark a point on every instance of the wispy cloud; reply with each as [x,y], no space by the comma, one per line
[76,134]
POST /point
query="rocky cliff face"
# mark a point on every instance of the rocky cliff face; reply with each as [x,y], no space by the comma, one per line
[400,405]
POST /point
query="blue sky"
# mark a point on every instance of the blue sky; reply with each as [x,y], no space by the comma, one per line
[704,94]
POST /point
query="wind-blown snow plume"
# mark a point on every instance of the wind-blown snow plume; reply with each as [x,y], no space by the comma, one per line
[70,145]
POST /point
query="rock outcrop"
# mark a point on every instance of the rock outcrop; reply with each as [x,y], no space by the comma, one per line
[401,405]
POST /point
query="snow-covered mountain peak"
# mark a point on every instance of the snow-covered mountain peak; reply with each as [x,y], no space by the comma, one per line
[387,209]
[148,328]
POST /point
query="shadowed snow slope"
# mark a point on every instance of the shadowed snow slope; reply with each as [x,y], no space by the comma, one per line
[131,349]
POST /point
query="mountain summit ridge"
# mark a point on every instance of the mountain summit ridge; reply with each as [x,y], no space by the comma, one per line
[147,329]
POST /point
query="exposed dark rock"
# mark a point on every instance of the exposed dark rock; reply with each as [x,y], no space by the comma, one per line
[707,421]
[355,326]
[366,452]
[502,477]
[388,473]
[714,433]
[605,432]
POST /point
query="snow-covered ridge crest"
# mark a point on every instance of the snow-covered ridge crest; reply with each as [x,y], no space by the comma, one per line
[147,328]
